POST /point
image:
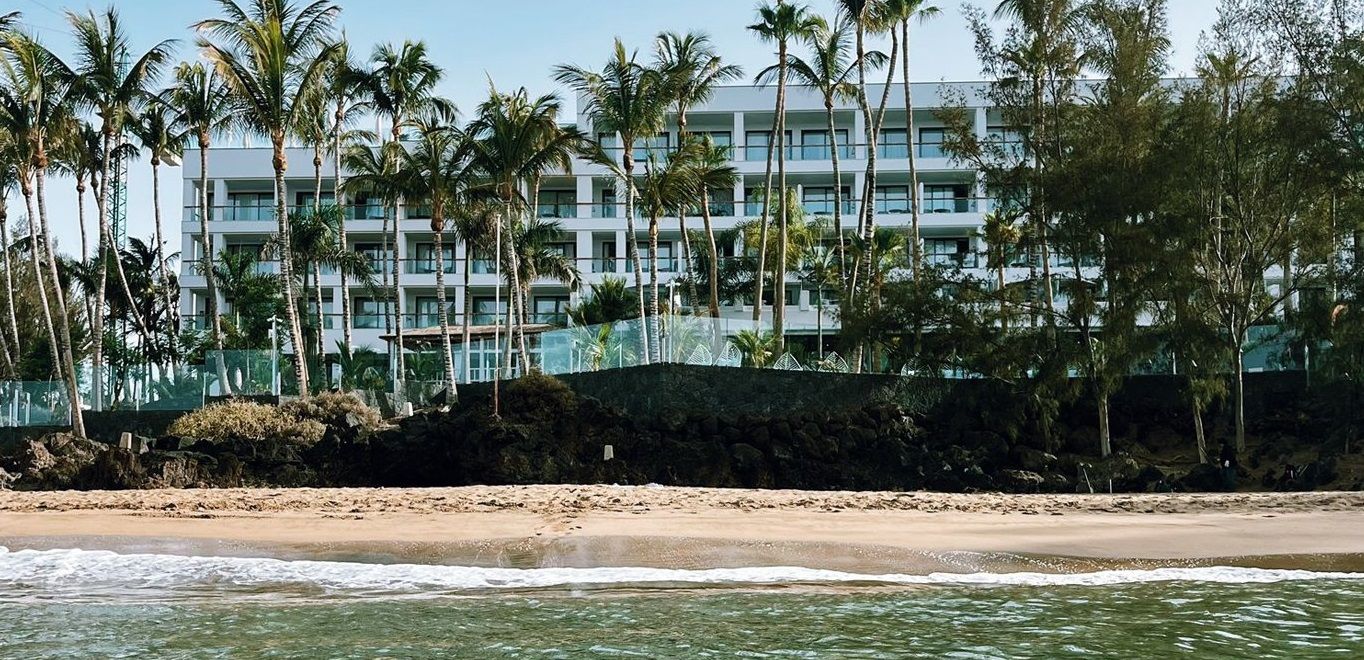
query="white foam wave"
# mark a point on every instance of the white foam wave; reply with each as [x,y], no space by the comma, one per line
[92,569]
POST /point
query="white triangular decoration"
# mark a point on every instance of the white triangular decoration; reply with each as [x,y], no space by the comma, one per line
[730,356]
[787,363]
[700,356]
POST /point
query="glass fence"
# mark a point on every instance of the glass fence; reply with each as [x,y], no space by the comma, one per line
[34,403]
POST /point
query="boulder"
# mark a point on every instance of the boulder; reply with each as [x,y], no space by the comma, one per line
[1022,481]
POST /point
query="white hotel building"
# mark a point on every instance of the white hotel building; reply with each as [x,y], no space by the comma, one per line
[592,215]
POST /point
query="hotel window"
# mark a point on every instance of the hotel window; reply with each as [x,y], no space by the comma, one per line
[424,258]
[608,143]
[369,313]
[892,199]
[1010,140]
[427,312]
[814,145]
[606,257]
[657,145]
[953,198]
[756,143]
[304,200]
[820,200]
[930,142]
[558,203]
[951,252]
[550,309]
[892,144]
[488,312]
[374,253]
[607,207]
[250,207]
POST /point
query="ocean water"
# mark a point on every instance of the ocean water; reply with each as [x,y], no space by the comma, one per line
[104,604]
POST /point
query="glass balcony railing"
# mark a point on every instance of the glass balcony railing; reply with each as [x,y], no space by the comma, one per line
[266,212]
[953,259]
[664,265]
[608,210]
[428,266]
[605,265]
[826,207]
[950,205]
[569,210]
[368,321]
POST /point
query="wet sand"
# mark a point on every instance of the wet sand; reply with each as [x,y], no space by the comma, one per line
[693,528]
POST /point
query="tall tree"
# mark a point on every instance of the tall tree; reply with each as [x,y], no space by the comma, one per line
[204,107]
[270,53]
[711,169]
[157,131]
[36,96]
[630,100]
[400,86]
[780,24]
[693,69]
[898,14]
[113,85]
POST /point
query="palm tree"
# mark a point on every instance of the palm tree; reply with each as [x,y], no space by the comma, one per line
[35,99]
[829,71]
[399,87]
[344,82]
[630,100]
[10,159]
[711,169]
[164,139]
[610,301]
[436,169]
[901,13]
[270,54]
[113,88]
[665,187]
[693,70]
[1001,234]
[536,259]
[204,107]
[819,267]
[475,223]
[515,139]
[779,24]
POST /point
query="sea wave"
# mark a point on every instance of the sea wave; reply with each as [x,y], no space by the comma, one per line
[86,570]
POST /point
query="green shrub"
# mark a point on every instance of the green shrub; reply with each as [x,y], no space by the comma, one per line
[537,394]
[249,421]
[340,412]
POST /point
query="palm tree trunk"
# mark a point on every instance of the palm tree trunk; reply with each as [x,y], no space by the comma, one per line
[383,275]
[445,355]
[687,257]
[1198,432]
[838,190]
[468,310]
[916,249]
[66,352]
[779,275]
[1039,203]
[7,266]
[337,193]
[654,338]
[398,310]
[760,273]
[85,246]
[1239,389]
[632,241]
[286,272]
[162,276]
[514,268]
[38,275]
[714,255]
[210,279]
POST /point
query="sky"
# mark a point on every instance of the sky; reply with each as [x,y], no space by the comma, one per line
[514,43]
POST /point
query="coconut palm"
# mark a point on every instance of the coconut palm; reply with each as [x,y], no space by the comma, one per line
[780,24]
[899,14]
[630,100]
[475,224]
[36,96]
[536,259]
[164,139]
[203,102]
[270,53]
[514,141]
[819,268]
[399,87]
[665,187]
[711,169]
[829,70]
[693,70]
[9,162]
[435,170]
[344,82]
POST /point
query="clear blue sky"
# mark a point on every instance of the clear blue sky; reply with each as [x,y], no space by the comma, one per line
[515,42]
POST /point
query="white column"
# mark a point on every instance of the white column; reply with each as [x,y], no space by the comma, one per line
[621,253]
[584,197]
[982,124]
[738,139]
[219,198]
[740,203]
[583,245]
[859,136]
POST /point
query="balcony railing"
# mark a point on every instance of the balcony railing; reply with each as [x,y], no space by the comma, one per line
[826,207]
[953,259]
[266,212]
[664,265]
[568,210]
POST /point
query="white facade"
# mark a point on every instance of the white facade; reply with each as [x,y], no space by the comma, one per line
[952,197]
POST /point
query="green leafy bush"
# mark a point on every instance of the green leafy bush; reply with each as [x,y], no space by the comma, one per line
[342,413]
[249,421]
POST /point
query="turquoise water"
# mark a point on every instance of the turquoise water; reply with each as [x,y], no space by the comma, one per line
[101,604]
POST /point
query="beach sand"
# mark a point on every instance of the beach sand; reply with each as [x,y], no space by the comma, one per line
[695,527]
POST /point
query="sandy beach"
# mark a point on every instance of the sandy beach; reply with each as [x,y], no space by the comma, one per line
[690,526]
